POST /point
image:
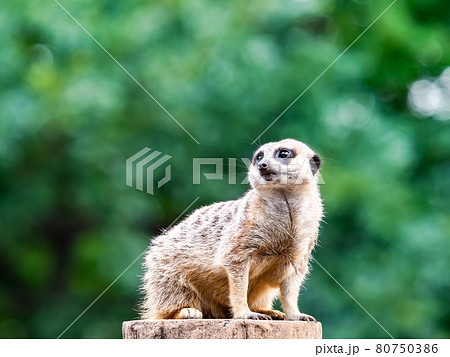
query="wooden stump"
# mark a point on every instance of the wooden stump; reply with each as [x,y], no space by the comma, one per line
[220,329]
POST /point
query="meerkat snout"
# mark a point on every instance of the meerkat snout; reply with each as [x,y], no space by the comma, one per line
[263,166]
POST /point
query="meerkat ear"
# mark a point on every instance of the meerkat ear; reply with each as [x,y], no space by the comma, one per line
[315,163]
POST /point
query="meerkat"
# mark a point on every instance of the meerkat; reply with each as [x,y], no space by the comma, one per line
[233,259]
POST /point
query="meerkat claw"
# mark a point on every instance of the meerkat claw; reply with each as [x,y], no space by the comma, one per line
[302,317]
[274,314]
[255,316]
[308,318]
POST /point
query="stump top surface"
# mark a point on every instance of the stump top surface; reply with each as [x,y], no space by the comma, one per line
[220,329]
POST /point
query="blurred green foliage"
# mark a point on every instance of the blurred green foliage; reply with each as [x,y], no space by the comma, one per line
[70,116]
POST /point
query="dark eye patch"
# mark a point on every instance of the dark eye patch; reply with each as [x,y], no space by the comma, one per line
[258,157]
[284,154]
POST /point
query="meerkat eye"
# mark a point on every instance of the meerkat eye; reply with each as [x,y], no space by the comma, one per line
[259,156]
[284,154]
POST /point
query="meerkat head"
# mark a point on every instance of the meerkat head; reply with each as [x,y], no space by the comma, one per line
[284,163]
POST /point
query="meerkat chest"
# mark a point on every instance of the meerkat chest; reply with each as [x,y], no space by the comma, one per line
[287,230]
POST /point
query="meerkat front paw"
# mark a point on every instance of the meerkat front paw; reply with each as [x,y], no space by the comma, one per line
[188,313]
[274,314]
[253,316]
[301,317]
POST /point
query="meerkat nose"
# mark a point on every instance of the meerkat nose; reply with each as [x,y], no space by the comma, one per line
[263,166]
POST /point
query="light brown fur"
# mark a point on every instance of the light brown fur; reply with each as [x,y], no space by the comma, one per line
[232,259]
